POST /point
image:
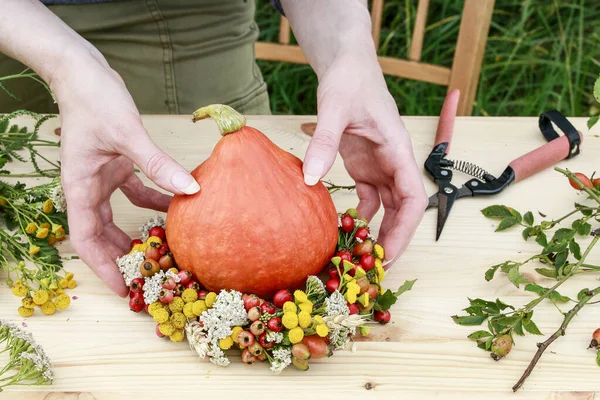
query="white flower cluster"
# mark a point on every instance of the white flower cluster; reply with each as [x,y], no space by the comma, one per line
[153,285]
[129,266]
[339,220]
[31,350]
[336,305]
[282,357]
[157,220]
[58,197]
[275,337]
[340,337]
[227,311]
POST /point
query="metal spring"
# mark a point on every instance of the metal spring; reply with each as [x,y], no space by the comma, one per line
[470,169]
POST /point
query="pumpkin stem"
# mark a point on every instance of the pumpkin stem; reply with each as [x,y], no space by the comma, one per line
[228,120]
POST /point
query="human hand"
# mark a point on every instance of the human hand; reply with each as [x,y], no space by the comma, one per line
[358,116]
[102,137]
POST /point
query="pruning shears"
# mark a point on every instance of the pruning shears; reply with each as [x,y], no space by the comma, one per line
[483,183]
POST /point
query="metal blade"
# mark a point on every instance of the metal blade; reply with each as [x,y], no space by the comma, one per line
[433,201]
[445,203]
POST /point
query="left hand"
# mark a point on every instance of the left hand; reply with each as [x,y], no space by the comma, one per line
[358,116]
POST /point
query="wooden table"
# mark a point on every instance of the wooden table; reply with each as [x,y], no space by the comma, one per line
[102,350]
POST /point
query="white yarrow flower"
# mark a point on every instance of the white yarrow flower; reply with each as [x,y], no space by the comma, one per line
[129,266]
[153,285]
[152,222]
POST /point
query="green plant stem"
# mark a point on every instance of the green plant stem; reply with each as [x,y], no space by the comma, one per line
[535,302]
[572,176]
[559,332]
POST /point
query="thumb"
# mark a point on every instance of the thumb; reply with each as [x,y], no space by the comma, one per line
[160,168]
[325,143]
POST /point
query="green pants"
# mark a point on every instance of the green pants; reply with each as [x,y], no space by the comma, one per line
[174,55]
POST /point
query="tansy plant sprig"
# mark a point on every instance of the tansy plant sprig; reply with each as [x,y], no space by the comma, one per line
[32,219]
[562,257]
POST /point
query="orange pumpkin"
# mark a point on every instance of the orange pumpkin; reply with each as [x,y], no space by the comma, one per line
[255,226]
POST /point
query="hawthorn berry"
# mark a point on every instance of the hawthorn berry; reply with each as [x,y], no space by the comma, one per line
[166,262]
[168,283]
[192,285]
[157,231]
[148,268]
[501,346]
[257,328]
[281,297]
[275,324]
[254,313]
[151,252]
[251,301]
[347,223]
[595,338]
[267,308]
[136,285]
[184,276]
[362,233]
[245,338]
[136,302]
[344,255]
[135,242]
[383,317]
[262,340]
[367,261]
[165,296]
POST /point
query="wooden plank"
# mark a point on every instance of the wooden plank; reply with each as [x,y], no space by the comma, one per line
[470,47]
[376,15]
[284,31]
[101,350]
[416,45]
[390,66]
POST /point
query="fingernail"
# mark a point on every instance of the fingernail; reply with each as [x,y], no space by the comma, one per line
[313,170]
[185,182]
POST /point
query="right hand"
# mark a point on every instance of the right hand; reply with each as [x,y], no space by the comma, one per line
[102,138]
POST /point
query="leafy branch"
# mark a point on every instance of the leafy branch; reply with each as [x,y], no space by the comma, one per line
[562,258]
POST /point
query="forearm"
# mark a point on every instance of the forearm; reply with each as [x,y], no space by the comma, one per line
[329,29]
[33,35]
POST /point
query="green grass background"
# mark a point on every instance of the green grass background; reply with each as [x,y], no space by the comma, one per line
[540,55]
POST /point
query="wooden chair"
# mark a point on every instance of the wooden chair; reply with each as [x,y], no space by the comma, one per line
[468,56]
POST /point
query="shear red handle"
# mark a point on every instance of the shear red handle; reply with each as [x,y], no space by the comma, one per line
[447,116]
[541,158]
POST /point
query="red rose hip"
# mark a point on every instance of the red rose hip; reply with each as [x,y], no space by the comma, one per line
[157,231]
[332,285]
[347,223]
[281,297]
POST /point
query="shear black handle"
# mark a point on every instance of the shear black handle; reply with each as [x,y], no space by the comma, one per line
[545,123]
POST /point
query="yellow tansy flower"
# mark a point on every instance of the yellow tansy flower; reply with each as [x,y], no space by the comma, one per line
[51,239]
[174,270]
[188,310]
[63,283]
[300,296]
[304,319]
[31,228]
[318,319]
[25,312]
[378,250]
[166,328]
[210,299]
[290,320]
[62,301]
[177,336]
[48,308]
[322,330]
[235,332]
[161,316]
[353,287]
[350,297]
[296,335]
[177,304]
[225,344]
[178,320]
[59,291]
[380,270]
[364,299]
[69,276]
[153,239]
[19,289]
[347,266]
[189,295]
[359,273]
[40,297]
[53,286]
[154,306]
[45,225]
[27,302]
[3,201]
[307,306]
[348,278]
[289,306]
[72,284]
[198,307]
[33,250]
[47,207]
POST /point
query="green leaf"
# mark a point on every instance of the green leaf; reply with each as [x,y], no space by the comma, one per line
[527,232]
[406,286]
[497,211]
[582,228]
[518,328]
[561,259]
[563,235]
[506,223]
[531,327]
[575,249]
[503,306]
[516,277]
[598,358]
[528,218]
[469,320]
[592,121]
[506,321]
[547,272]
[479,335]
[488,343]
[582,294]
[541,239]
[385,301]
[3,124]
[540,290]
[585,210]
[489,274]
